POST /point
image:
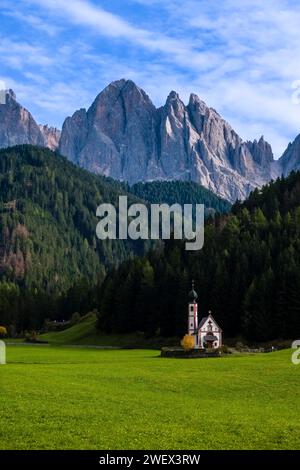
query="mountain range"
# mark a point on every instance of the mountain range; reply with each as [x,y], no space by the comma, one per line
[124,136]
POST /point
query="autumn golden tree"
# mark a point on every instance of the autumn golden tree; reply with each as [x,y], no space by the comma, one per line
[3,331]
[188,342]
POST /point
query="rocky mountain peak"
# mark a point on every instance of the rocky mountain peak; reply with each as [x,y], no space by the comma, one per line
[174,110]
[173,96]
[123,135]
[174,102]
[261,151]
[196,103]
[17,125]
[122,89]
[10,95]
[51,136]
[290,160]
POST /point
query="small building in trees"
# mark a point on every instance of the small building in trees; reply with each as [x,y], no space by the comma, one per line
[207,332]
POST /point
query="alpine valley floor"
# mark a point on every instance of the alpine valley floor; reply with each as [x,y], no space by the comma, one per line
[57,397]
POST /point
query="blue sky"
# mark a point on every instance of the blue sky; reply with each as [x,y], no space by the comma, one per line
[241,57]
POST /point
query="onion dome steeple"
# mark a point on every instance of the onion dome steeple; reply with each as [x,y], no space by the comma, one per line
[193,296]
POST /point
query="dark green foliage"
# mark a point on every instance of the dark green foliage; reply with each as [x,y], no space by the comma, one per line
[180,192]
[248,273]
[50,257]
[52,264]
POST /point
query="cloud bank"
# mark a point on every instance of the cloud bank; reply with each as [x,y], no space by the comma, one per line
[239,57]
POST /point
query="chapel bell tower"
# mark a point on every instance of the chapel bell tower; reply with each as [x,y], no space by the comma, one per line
[193,315]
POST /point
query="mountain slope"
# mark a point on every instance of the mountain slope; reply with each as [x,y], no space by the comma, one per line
[50,258]
[51,136]
[290,160]
[48,221]
[124,136]
[18,127]
[48,217]
[180,192]
[247,274]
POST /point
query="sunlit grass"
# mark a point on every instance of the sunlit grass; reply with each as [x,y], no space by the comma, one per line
[80,398]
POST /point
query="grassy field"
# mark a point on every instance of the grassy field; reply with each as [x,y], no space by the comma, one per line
[83,398]
[86,333]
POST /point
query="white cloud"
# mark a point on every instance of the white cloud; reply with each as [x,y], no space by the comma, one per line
[53,98]
[240,57]
[181,51]
[21,54]
[33,21]
[256,45]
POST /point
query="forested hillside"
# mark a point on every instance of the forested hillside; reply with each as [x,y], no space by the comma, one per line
[48,242]
[52,264]
[180,192]
[50,257]
[248,274]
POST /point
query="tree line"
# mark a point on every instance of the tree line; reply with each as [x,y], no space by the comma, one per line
[248,274]
[51,262]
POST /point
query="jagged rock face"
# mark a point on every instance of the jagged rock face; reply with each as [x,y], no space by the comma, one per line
[261,151]
[174,138]
[17,126]
[290,160]
[74,135]
[124,136]
[116,136]
[51,136]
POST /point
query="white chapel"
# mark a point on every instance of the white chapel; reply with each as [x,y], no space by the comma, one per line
[207,332]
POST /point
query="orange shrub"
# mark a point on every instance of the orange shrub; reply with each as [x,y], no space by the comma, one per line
[188,342]
[3,331]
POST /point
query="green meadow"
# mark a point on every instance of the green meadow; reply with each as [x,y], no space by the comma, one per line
[56,397]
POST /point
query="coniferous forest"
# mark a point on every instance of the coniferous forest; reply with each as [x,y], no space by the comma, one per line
[180,192]
[52,264]
[248,274]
